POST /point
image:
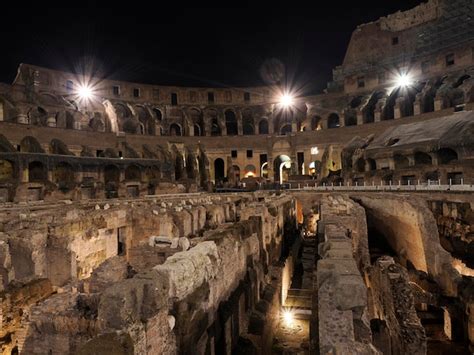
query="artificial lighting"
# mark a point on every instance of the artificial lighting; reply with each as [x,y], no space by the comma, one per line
[288,317]
[404,80]
[85,92]
[286,100]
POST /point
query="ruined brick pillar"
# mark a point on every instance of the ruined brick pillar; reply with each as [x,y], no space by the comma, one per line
[360,117]
[397,110]
[240,130]
[417,105]
[438,103]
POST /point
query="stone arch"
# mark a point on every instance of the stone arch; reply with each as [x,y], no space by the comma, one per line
[360,165]
[428,94]
[7,170]
[281,164]
[133,173]
[446,155]
[111,174]
[158,114]
[219,170]
[350,117]
[97,123]
[38,116]
[400,161]
[197,121]
[178,164]
[64,176]
[333,120]
[175,129]
[36,172]
[231,123]
[215,127]
[248,127]
[30,144]
[371,164]
[422,158]
[147,121]
[263,126]
[197,130]
[316,123]
[368,111]
[285,129]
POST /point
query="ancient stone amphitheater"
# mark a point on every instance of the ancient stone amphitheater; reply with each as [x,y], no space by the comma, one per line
[146,219]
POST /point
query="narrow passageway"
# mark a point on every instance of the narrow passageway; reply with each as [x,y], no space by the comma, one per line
[293,333]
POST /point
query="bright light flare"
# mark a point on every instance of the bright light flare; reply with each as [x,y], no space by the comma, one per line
[286,100]
[288,317]
[85,92]
[403,81]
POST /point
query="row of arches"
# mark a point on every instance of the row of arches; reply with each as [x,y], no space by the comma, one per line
[401,161]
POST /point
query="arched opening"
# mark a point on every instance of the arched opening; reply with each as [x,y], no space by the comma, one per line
[422,159]
[250,171]
[350,117]
[231,123]
[247,127]
[368,111]
[191,166]
[215,128]
[219,170]
[69,121]
[460,81]
[427,101]
[333,120]
[38,116]
[315,168]
[372,164]
[197,130]
[400,161]
[282,168]
[63,176]
[132,173]
[316,123]
[360,165]
[263,126]
[286,129]
[152,177]
[158,114]
[236,169]
[111,180]
[30,145]
[178,166]
[7,171]
[36,172]
[447,155]
[264,170]
[175,130]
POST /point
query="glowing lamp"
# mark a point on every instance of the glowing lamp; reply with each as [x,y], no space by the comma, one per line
[286,100]
[288,317]
[403,80]
[85,92]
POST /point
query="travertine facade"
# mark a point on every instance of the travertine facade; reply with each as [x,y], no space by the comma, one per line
[112,242]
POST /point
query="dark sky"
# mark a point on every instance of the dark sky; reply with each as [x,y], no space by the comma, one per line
[189,46]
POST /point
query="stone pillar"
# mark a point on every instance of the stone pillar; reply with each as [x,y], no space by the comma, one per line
[378,110]
[417,105]
[271,125]
[1,112]
[342,120]
[438,103]
[51,122]
[411,160]
[22,118]
[360,117]
[240,130]
[397,110]
[77,125]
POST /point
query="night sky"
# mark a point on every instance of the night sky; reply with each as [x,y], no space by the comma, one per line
[189,46]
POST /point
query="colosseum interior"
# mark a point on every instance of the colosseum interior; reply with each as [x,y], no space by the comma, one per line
[146,219]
